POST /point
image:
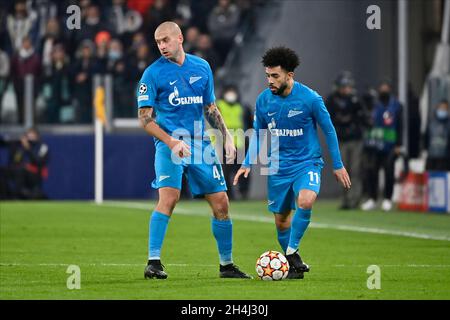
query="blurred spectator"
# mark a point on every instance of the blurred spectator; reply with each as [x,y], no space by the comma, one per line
[200,10]
[121,19]
[84,6]
[437,138]
[206,51]
[22,23]
[123,84]
[82,72]
[51,38]
[368,99]
[25,62]
[4,77]
[46,10]
[139,62]
[56,86]
[28,166]
[102,40]
[91,25]
[137,40]
[348,118]
[232,113]
[159,12]
[190,39]
[387,140]
[223,24]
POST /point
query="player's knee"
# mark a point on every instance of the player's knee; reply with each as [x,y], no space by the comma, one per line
[168,203]
[220,208]
[306,203]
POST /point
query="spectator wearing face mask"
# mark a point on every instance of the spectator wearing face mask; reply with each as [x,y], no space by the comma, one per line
[348,118]
[233,116]
[437,138]
[386,137]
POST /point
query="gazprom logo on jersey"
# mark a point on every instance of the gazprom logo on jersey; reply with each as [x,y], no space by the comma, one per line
[283,132]
[176,100]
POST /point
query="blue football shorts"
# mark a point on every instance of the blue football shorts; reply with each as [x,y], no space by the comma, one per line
[203,177]
[284,186]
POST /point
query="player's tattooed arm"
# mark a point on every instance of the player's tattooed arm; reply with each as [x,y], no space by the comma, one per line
[146,116]
[215,119]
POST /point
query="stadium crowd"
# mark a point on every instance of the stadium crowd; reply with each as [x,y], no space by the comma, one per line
[115,37]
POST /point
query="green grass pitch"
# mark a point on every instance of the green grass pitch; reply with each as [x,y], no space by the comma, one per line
[38,240]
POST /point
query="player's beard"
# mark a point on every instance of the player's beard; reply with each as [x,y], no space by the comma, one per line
[280,90]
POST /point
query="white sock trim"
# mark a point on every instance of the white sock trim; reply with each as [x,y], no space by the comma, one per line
[290,250]
[154,258]
[224,263]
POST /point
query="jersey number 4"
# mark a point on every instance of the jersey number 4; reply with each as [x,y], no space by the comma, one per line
[216,174]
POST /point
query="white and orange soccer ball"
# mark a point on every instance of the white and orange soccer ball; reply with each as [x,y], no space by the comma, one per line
[272,265]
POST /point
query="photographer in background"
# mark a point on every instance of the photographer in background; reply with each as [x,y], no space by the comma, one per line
[350,120]
[28,160]
[437,138]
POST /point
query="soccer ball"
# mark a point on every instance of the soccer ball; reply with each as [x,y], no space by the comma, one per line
[272,265]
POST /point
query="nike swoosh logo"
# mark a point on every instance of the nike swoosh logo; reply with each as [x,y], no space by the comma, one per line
[172,82]
[161,178]
[194,79]
[270,202]
[222,183]
[271,114]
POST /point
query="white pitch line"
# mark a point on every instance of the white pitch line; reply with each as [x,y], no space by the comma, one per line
[319,225]
[15,264]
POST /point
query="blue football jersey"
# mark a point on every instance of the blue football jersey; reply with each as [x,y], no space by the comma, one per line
[178,94]
[293,121]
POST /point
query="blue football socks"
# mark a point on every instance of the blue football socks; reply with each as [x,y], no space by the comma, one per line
[157,231]
[223,233]
[283,238]
[299,224]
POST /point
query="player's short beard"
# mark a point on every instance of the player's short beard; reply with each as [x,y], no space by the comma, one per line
[281,89]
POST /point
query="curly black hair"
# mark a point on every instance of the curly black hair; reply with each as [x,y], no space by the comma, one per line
[281,56]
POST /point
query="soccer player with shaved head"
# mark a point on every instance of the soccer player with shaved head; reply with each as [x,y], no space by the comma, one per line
[291,112]
[175,96]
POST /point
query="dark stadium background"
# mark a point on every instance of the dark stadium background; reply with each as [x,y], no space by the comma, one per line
[330,36]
